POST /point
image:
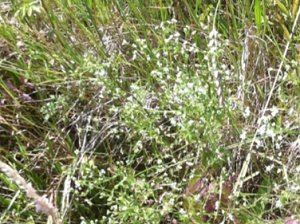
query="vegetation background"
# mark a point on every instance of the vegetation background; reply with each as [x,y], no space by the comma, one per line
[157,111]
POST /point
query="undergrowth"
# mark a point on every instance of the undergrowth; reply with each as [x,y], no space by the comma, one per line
[149,111]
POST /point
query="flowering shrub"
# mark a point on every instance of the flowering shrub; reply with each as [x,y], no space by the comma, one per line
[149,112]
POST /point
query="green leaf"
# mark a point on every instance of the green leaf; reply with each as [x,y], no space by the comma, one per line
[258,14]
[282,7]
[90,3]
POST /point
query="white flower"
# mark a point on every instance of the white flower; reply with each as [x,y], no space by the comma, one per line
[231,217]
[190,85]
[246,114]
[217,205]
[189,163]
[20,44]
[291,111]
[270,133]
[134,55]
[278,204]
[274,111]
[182,211]
[262,129]
[243,135]
[294,188]
[190,122]
[169,39]
[101,73]
[173,121]
[269,168]
[213,34]
[173,20]
[124,42]
[173,185]
[176,34]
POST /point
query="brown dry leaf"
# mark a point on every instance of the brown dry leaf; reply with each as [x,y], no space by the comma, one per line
[204,188]
[291,220]
[200,187]
[18,91]
[298,47]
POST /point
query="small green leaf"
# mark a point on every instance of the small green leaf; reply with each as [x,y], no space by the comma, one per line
[90,3]
[258,14]
[282,7]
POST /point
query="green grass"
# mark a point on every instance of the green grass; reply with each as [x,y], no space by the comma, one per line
[150,111]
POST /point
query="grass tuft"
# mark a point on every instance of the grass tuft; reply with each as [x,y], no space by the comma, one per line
[149,111]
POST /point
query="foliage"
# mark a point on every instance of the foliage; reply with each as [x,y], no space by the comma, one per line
[151,111]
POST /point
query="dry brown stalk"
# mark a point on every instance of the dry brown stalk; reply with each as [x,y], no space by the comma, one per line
[42,204]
